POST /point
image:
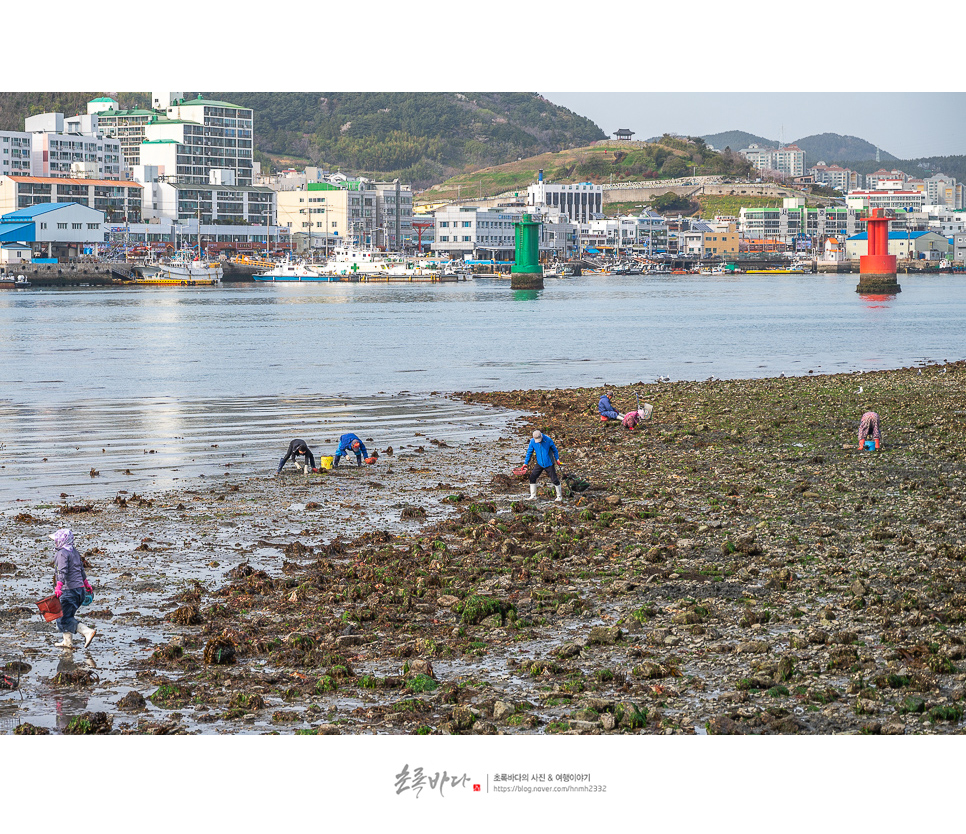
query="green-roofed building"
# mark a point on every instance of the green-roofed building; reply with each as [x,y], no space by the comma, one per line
[211,136]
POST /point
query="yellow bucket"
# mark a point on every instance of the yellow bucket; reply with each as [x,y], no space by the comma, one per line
[326,462]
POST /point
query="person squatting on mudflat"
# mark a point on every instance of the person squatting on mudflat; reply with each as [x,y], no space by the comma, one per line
[869,429]
[606,408]
[350,443]
[545,452]
[70,588]
[633,418]
[298,448]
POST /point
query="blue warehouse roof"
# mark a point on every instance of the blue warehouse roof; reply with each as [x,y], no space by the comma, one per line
[892,235]
[31,212]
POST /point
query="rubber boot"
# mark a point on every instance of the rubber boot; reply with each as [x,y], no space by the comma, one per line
[66,643]
[559,488]
[533,492]
[87,633]
[335,462]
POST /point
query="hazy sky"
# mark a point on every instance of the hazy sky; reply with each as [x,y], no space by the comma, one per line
[905,124]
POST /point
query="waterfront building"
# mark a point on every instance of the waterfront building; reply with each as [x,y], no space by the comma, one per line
[59,229]
[471,232]
[321,212]
[794,220]
[904,244]
[232,204]
[117,199]
[959,247]
[166,236]
[394,215]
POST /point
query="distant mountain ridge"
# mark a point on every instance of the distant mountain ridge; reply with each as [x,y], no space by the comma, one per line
[820,147]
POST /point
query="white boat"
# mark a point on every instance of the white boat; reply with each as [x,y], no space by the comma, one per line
[9,281]
[293,270]
[354,264]
[181,270]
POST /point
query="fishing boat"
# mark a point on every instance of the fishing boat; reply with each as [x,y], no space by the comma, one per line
[9,281]
[182,270]
[560,270]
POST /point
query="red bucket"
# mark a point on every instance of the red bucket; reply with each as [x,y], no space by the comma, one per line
[50,608]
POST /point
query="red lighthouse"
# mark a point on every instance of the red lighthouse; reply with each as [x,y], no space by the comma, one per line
[877,270]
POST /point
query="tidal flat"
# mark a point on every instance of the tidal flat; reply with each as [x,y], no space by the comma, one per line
[736,566]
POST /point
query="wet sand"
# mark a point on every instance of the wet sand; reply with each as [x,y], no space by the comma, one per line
[737,567]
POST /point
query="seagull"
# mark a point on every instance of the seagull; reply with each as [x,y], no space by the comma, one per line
[860,390]
[920,372]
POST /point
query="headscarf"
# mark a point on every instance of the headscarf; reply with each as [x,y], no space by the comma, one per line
[63,538]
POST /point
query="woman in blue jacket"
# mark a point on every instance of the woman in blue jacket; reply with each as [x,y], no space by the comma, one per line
[544,450]
[350,443]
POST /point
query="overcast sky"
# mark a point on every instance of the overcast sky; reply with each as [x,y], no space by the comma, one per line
[907,125]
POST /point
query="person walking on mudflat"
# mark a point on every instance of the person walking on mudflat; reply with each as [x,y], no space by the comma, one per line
[869,429]
[544,450]
[71,586]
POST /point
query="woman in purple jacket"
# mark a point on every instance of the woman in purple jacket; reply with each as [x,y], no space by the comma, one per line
[71,586]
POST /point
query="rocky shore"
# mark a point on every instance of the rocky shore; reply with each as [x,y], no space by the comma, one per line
[737,566]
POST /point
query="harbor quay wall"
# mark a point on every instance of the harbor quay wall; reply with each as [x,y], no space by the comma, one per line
[68,274]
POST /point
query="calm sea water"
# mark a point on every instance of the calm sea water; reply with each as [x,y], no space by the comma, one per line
[170,382]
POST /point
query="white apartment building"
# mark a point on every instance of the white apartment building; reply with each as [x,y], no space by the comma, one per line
[71,148]
[941,190]
[15,153]
[231,204]
[896,199]
[213,142]
[945,221]
[471,232]
[835,176]
[788,160]
[579,201]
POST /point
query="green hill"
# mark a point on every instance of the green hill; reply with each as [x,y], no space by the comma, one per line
[421,138]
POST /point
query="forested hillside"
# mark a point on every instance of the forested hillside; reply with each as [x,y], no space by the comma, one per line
[420,137]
